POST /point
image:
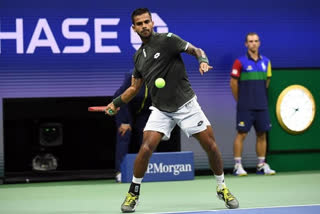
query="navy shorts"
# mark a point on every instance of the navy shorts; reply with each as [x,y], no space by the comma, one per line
[258,118]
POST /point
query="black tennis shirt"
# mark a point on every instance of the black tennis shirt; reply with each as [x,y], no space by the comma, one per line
[160,57]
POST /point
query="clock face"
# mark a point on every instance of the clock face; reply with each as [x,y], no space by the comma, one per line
[295,109]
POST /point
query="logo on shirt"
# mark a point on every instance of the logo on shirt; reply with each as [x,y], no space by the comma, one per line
[249,68]
[144,53]
[234,71]
[263,66]
[241,124]
[200,123]
[156,55]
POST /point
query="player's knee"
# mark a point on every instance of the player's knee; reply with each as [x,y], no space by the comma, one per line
[146,151]
[213,146]
[210,145]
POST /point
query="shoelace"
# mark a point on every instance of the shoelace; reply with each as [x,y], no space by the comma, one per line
[227,195]
[240,168]
[130,199]
[265,167]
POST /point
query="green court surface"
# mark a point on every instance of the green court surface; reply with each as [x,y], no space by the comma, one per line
[106,196]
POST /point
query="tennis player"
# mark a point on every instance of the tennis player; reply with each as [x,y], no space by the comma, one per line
[176,103]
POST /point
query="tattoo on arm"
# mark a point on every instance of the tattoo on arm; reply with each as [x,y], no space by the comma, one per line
[198,53]
[194,51]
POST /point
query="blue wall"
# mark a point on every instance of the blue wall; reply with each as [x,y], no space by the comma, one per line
[288,29]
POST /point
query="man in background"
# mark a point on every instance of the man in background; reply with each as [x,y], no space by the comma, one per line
[130,120]
[250,78]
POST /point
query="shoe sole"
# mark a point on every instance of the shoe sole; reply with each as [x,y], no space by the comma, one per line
[130,211]
[228,206]
[262,173]
[240,174]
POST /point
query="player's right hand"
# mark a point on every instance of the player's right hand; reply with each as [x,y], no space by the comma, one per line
[111,109]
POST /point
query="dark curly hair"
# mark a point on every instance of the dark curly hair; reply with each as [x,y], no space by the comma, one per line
[138,12]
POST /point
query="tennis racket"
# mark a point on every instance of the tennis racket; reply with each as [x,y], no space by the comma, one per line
[99,109]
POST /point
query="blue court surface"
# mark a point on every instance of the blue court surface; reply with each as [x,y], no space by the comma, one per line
[303,209]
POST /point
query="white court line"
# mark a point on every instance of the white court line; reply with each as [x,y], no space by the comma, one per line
[235,210]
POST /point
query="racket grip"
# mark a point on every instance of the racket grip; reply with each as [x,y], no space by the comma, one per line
[110,111]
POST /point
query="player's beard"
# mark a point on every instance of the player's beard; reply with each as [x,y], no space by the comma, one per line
[145,34]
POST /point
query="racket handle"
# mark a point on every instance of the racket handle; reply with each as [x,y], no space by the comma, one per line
[110,111]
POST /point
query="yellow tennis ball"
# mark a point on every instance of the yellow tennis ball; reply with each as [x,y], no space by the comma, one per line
[160,82]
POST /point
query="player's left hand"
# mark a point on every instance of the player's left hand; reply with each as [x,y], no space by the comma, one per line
[123,128]
[204,67]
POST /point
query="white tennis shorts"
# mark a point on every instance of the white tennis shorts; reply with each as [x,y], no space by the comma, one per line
[189,117]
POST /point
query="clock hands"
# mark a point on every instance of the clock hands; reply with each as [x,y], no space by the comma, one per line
[295,111]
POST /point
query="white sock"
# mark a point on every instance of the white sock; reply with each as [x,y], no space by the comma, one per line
[237,160]
[220,181]
[261,160]
[136,180]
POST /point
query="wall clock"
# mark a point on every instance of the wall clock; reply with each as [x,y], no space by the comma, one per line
[295,109]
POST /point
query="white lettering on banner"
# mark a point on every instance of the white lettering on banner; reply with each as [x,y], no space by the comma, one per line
[176,169]
[50,41]
[99,35]
[37,42]
[76,35]
[18,36]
